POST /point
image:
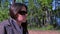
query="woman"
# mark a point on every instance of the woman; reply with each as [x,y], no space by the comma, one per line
[17,23]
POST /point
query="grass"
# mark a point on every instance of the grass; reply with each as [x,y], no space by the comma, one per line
[49,27]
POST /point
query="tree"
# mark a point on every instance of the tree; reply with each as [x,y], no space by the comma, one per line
[42,13]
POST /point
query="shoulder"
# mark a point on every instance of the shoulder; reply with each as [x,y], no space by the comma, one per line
[2,24]
[5,22]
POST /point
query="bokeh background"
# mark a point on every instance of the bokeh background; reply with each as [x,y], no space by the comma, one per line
[42,14]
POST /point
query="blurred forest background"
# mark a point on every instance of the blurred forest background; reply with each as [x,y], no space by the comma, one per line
[42,14]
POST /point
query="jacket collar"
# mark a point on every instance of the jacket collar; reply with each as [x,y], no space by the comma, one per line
[14,24]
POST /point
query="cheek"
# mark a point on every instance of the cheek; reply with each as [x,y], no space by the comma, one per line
[20,17]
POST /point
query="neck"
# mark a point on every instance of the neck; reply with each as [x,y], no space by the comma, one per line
[19,23]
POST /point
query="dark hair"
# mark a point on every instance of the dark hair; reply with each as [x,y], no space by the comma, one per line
[13,10]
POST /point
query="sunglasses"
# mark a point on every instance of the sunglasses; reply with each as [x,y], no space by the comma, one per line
[22,12]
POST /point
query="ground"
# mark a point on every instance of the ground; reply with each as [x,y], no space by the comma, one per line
[43,32]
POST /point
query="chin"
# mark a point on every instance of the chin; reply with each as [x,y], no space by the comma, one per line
[23,21]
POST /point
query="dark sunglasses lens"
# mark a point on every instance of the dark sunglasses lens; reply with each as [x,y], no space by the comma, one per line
[22,12]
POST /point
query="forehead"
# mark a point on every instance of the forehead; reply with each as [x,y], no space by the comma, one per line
[23,8]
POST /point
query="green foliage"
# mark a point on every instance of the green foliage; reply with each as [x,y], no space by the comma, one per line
[3,14]
[40,13]
[49,27]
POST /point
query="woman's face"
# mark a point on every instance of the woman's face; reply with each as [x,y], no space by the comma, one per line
[22,18]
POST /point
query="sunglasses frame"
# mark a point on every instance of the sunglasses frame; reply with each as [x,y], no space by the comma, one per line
[22,12]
